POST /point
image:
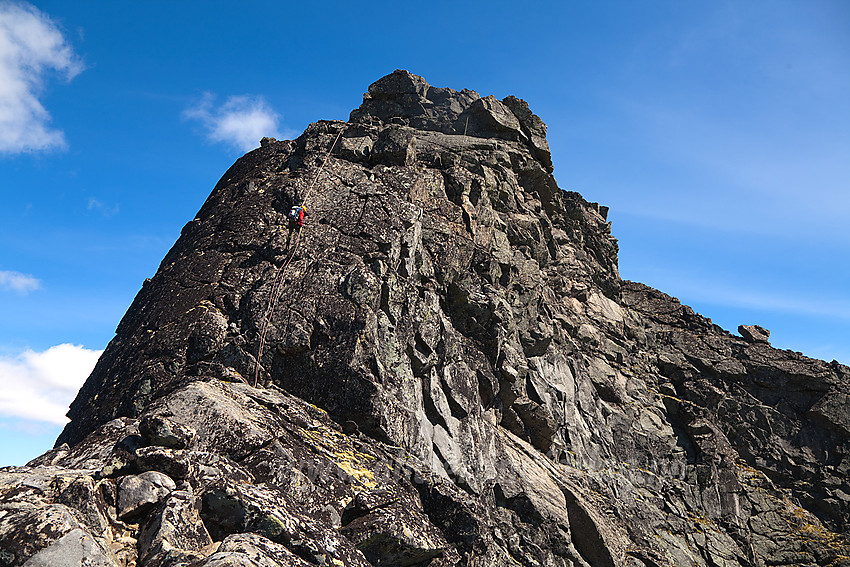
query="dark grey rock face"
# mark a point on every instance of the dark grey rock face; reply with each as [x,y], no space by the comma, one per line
[453,373]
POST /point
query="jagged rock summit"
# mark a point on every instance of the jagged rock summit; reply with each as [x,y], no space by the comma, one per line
[453,374]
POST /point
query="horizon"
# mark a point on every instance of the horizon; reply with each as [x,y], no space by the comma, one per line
[717,135]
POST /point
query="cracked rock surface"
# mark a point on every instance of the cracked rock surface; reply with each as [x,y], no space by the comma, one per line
[452,372]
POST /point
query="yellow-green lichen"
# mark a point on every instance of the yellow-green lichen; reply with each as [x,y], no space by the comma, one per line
[337,448]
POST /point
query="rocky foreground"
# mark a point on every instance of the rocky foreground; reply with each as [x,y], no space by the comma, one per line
[454,374]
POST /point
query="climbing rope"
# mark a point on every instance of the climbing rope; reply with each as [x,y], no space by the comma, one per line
[276,288]
[463,147]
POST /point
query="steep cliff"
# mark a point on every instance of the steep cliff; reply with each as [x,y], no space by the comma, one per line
[450,372]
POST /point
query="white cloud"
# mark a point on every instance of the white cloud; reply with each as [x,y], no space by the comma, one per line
[16,281]
[41,385]
[30,46]
[240,122]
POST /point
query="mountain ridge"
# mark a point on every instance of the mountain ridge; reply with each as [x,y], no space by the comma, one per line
[455,374]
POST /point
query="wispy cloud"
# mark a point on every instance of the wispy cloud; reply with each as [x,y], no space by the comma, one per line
[240,122]
[27,427]
[16,281]
[739,122]
[41,385]
[103,208]
[31,46]
[719,293]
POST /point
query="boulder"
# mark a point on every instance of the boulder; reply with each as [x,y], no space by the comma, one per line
[76,548]
[174,532]
[754,333]
[161,431]
[137,494]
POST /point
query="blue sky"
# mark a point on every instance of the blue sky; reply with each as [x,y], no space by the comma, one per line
[717,132]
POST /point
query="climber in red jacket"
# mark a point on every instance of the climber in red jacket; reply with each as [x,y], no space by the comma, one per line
[296,216]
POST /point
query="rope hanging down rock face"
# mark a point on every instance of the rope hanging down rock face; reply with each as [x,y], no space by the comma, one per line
[276,288]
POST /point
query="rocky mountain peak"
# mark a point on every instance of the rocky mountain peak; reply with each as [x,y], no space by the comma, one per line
[406,99]
[441,367]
